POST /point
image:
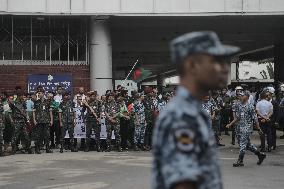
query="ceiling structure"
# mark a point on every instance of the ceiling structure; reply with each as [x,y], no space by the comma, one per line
[147,38]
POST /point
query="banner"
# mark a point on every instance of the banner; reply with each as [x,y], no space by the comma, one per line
[49,82]
[80,128]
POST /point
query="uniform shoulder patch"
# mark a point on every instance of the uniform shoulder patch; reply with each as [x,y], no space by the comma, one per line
[184,139]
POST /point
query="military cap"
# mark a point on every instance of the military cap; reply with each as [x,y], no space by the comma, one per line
[202,42]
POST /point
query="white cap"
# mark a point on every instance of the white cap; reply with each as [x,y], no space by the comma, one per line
[239,88]
[271,90]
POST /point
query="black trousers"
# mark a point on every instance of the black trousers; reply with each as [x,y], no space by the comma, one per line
[273,135]
[55,132]
[148,134]
[124,132]
[266,136]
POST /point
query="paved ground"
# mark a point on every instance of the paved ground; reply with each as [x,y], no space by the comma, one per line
[127,170]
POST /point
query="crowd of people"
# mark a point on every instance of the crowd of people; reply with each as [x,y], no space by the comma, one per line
[242,109]
[45,117]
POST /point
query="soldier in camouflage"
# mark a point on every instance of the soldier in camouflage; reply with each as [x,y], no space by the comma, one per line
[112,111]
[1,124]
[235,105]
[246,117]
[140,122]
[92,117]
[20,123]
[43,119]
[184,147]
[67,120]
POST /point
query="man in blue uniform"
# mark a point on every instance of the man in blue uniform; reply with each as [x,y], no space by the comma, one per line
[246,116]
[184,148]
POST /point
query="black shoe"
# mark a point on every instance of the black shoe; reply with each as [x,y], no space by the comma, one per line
[269,149]
[119,149]
[61,150]
[75,150]
[233,143]
[147,148]
[37,152]
[108,149]
[29,151]
[239,163]
[261,157]
[136,148]
[99,149]
[219,144]
[48,151]
[52,146]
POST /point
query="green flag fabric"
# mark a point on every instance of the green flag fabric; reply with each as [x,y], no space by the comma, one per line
[140,74]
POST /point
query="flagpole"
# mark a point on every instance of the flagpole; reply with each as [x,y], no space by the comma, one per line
[129,72]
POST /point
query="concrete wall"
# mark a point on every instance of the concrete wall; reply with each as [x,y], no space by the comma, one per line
[144,7]
[15,75]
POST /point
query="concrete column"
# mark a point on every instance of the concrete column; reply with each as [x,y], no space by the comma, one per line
[100,51]
[279,62]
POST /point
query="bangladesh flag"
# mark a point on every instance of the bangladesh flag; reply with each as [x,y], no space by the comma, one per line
[140,74]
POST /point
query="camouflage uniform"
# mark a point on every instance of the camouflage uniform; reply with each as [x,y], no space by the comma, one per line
[208,107]
[235,133]
[140,123]
[42,129]
[92,123]
[20,128]
[246,116]
[1,128]
[184,147]
[66,109]
[112,109]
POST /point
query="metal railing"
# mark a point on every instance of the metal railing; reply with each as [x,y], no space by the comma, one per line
[43,62]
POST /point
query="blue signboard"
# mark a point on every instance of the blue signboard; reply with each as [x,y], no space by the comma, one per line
[49,82]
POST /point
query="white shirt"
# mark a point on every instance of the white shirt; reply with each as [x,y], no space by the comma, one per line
[58,98]
[251,100]
[264,107]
